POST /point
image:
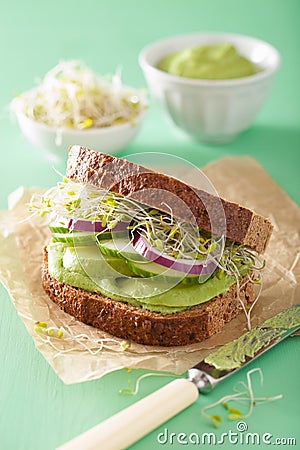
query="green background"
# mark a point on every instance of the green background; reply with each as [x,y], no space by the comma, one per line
[37,410]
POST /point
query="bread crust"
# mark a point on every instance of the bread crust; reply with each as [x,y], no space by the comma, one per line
[131,180]
[140,325]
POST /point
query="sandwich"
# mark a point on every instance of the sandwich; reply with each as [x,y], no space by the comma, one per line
[146,257]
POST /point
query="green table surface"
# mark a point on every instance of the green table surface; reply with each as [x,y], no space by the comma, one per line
[37,410]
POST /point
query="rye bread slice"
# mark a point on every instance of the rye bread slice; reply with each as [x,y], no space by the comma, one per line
[142,326]
[156,190]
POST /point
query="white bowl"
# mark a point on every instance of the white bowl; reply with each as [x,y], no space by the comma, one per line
[109,139]
[211,110]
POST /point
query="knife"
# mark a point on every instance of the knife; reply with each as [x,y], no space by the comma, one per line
[131,424]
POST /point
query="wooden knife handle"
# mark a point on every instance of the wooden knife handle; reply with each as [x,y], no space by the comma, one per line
[128,426]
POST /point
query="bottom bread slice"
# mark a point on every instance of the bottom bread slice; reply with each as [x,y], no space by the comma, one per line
[146,327]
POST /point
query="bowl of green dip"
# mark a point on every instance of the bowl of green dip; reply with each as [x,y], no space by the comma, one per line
[211,85]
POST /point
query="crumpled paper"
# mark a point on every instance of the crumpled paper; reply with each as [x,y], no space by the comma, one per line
[21,241]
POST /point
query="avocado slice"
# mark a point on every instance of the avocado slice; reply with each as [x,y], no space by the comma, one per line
[88,260]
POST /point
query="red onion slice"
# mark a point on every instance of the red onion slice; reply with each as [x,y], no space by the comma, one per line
[192,267]
[94,227]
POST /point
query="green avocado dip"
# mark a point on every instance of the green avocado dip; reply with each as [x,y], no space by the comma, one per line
[208,62]
[111,278]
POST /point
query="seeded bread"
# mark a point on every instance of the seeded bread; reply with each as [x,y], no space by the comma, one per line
[142,326]
[144,185]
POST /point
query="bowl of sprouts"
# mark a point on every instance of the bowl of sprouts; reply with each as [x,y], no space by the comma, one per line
[74,105]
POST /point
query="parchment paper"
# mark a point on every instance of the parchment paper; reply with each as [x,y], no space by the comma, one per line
[21,243]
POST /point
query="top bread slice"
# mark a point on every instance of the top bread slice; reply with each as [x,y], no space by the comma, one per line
[166,193]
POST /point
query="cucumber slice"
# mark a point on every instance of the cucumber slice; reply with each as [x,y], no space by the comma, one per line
[78,238]
[119,247]
[59,226]
[105,235]
[58,230]
[88,260]
[151,269]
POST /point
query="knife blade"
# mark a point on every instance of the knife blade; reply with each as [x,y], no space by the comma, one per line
[131,424]
[206,376]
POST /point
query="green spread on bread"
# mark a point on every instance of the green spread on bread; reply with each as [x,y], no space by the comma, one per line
[90,270]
